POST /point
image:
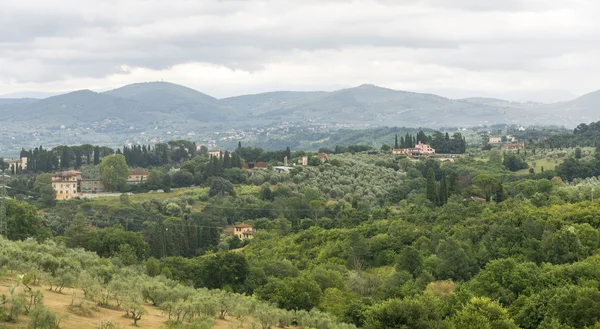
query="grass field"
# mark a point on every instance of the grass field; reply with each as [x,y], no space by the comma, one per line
[59,303]
[538,164]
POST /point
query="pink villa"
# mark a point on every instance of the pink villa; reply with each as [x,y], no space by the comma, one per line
[419,149]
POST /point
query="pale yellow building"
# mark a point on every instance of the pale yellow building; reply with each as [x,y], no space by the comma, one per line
[243,231]
[66,184]
[137,176]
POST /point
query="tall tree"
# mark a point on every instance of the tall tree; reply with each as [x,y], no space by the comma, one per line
[396,142]
[432,193]
[96,155]
[443,193]
[114,172]
[65,157]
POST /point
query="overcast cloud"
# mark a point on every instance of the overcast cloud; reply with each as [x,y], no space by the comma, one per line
[519,49]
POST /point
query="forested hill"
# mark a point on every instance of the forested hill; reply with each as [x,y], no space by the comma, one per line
[157,110]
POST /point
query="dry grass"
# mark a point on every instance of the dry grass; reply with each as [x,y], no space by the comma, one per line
[59,303]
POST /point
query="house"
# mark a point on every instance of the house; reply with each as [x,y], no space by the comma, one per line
[303,161]
[495,140]
[419,150]
[214,153]
[255,165]
[512,147]
[66,184]
[19,164]
[322,157]
[283,169]
[242,231]
[137,176]
[91,186]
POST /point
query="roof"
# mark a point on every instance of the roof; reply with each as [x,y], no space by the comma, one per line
[69,173]
[89,180]
[138,172]
[243,225]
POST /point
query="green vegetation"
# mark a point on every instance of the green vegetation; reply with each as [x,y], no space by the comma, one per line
[361,239]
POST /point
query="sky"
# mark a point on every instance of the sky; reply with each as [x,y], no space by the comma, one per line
[538,50]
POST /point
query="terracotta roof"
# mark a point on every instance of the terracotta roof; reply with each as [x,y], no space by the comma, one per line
[69,173]
[243,225]
[138,172]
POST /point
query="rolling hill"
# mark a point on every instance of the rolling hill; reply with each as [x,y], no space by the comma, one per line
[162,110]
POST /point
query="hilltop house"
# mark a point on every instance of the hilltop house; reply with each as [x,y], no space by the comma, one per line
[242,231]
[303,161]
[495,140]
[214,153]
[419,150]
[66,184]
[512,147]
[19,164]
[322,157]
[137,176]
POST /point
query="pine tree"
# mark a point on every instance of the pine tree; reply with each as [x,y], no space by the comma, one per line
[443,195]
[236,162]
[432,193]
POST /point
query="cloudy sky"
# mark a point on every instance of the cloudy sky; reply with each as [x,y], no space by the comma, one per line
[520,49]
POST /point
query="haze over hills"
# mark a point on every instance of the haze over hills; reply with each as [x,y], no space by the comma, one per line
[157,108]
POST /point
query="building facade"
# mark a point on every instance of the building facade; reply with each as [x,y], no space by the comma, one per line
[243,231]
[66,184]
[495,140]
[419,150]
[91,186]
[137,176]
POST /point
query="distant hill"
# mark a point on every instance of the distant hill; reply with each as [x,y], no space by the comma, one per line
[155,111]
[582,109]
[83,106]
[258,104]
[369,104]
[172,99]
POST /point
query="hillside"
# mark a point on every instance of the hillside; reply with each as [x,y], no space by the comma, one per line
[257,104]
[173,100]
[160,111]
[369,104]
[83,106]
[583,109]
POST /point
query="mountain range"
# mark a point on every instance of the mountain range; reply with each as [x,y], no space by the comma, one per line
[139,107]
[167,103]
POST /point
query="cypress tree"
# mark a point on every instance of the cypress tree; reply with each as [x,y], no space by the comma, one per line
[500,194]
[97,155]
[443,195]
[432,194]
[65,158]
[226,161]
[396,142]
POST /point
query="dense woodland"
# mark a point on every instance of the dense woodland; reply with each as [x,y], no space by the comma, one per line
[364,239]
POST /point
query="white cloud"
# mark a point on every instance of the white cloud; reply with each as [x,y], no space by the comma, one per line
[237,46]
